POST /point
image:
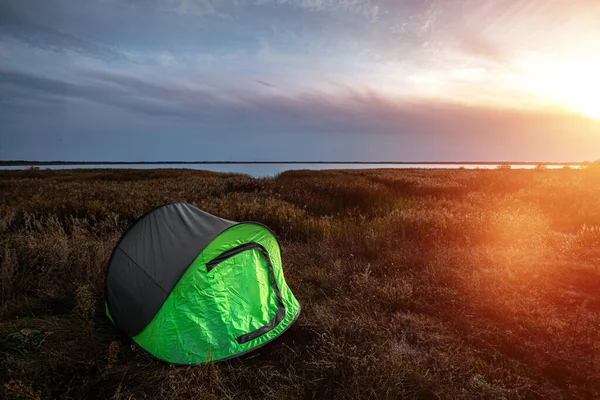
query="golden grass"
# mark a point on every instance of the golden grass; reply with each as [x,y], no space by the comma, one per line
[414,284]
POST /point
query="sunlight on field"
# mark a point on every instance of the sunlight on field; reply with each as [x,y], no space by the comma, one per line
[431,284]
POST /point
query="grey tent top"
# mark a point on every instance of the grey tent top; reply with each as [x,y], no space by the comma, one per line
[151,257]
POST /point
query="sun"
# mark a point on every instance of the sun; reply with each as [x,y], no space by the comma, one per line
[574,85]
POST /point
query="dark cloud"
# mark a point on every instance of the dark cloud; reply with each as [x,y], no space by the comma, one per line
[21,24]
[264,83]
[53,89]
[117,111]
[346,111]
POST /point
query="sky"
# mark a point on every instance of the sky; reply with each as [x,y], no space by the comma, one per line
[314,80]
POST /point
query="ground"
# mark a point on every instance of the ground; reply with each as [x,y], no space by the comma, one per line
[425,284]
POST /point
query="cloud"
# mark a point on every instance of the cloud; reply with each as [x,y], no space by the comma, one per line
[477,45]
[347,108]
[264,83]
[23,26]
[56,90]
[196,7]
[230,9]
[54,40]
[365,8]
[112,105]
[4,53]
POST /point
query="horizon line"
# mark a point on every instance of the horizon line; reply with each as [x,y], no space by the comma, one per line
[58,162]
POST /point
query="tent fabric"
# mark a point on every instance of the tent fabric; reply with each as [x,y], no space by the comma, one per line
[222,299]
[152,256]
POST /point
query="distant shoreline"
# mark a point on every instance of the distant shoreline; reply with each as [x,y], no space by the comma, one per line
[17,163]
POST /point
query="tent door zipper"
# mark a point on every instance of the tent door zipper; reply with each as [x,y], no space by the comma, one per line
[230,253]
[280,307]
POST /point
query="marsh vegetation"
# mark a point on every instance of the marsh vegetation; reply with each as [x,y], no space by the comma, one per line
[413,283]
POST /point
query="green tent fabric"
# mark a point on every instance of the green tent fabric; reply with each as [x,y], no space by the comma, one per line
[189,287]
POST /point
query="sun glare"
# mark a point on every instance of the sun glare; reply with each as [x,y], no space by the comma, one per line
[575,85]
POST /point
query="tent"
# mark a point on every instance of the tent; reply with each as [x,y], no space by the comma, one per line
[189,287]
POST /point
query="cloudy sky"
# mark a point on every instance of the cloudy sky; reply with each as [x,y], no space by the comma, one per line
[362,80]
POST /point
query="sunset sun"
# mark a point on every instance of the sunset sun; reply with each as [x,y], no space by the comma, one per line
[575,85]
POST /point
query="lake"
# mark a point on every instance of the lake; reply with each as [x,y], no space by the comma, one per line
[264,170]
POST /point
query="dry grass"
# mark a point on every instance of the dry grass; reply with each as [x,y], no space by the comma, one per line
[414,284]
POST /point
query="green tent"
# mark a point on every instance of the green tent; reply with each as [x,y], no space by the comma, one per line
[189,287]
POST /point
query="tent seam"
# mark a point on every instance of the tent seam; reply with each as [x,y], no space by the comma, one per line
[141,269]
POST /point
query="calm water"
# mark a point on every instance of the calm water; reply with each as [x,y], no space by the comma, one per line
[263,170]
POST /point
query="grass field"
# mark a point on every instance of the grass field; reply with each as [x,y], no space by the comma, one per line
[426,284]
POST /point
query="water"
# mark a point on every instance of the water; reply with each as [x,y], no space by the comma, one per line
[265,170]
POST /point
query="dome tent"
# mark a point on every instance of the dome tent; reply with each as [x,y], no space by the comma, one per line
[189,287]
